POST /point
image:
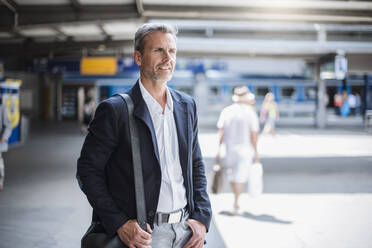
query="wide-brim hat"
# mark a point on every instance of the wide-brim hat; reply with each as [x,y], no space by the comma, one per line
[242,94]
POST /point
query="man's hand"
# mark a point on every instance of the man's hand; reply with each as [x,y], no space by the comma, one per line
[3,140]
[133,236]
[198,234]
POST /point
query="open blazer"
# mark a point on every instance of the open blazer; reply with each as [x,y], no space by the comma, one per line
[105,169]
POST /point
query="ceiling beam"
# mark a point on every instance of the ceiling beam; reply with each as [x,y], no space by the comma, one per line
[254,16]
[205,46]
[59,31]
[271,46]
[30,15]
[76,4]
[11,5]
[103,31]
[16,33]
[139,5]
[75,12]
[260,26]
[259,13]
[271,4]
[62,48]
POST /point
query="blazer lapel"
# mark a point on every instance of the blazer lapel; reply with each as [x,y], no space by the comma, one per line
[181,119]
[141,112]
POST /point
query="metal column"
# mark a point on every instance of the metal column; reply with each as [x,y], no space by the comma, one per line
[321,114]
[367,102]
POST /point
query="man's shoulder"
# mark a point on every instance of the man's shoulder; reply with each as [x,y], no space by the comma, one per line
[115,103]
[113,100]
[231,107]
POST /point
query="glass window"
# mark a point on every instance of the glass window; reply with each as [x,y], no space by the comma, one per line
[288,92]
[261,91]
[69,103]
[187,90]
[214,90]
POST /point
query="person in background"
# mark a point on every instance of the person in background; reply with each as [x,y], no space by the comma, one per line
[269,113]
[358,103]
[351,99]
[238,128]
[345,108]
[337,102]
[5,132]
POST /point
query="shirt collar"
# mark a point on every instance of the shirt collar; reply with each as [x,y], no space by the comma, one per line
[152,103]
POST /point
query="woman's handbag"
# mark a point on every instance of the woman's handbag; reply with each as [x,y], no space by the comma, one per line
[255,180]
[96,236]
[217,178]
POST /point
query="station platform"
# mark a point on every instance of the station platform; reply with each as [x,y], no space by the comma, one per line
[318,191]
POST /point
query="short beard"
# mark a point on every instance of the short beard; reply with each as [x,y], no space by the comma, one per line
[154,77]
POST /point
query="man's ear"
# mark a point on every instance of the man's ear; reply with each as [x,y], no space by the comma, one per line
[137,57]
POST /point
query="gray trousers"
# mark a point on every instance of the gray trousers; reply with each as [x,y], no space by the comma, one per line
[171,235]
[2,170]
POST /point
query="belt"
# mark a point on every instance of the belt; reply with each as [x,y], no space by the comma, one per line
[170,218]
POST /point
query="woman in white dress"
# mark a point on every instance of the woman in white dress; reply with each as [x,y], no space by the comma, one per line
[238,128]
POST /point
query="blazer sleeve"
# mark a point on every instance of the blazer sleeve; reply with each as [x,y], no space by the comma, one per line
[99,144]
[202,207]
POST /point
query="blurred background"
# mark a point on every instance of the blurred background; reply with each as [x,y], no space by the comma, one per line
[60,58]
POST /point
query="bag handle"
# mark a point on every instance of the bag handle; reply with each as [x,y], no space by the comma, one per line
[137,164]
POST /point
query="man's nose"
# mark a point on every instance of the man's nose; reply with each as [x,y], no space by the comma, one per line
[166,57]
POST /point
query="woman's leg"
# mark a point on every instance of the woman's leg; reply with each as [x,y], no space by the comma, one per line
[237,190]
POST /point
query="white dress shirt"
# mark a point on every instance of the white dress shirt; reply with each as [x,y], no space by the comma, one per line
[172,191]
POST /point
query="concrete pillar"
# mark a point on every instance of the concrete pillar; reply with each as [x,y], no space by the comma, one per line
[48,89]
[41,99]
[367,96]
[51,86]
[201,92]
[321,111]
[59,84]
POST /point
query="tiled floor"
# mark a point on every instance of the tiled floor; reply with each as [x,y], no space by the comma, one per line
[314,197]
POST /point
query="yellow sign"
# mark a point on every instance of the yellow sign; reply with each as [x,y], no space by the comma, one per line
[98,66]
[14,82]
[12,105]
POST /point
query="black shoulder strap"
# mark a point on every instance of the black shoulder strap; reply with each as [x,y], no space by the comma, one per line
[137,164]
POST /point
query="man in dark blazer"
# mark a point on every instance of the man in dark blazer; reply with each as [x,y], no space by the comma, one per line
[177,204]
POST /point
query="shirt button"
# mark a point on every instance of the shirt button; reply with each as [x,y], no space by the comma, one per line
[151,213]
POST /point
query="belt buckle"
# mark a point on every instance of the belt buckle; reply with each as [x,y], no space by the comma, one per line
[175,217]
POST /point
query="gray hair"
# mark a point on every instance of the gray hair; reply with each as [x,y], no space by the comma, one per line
[148,28]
